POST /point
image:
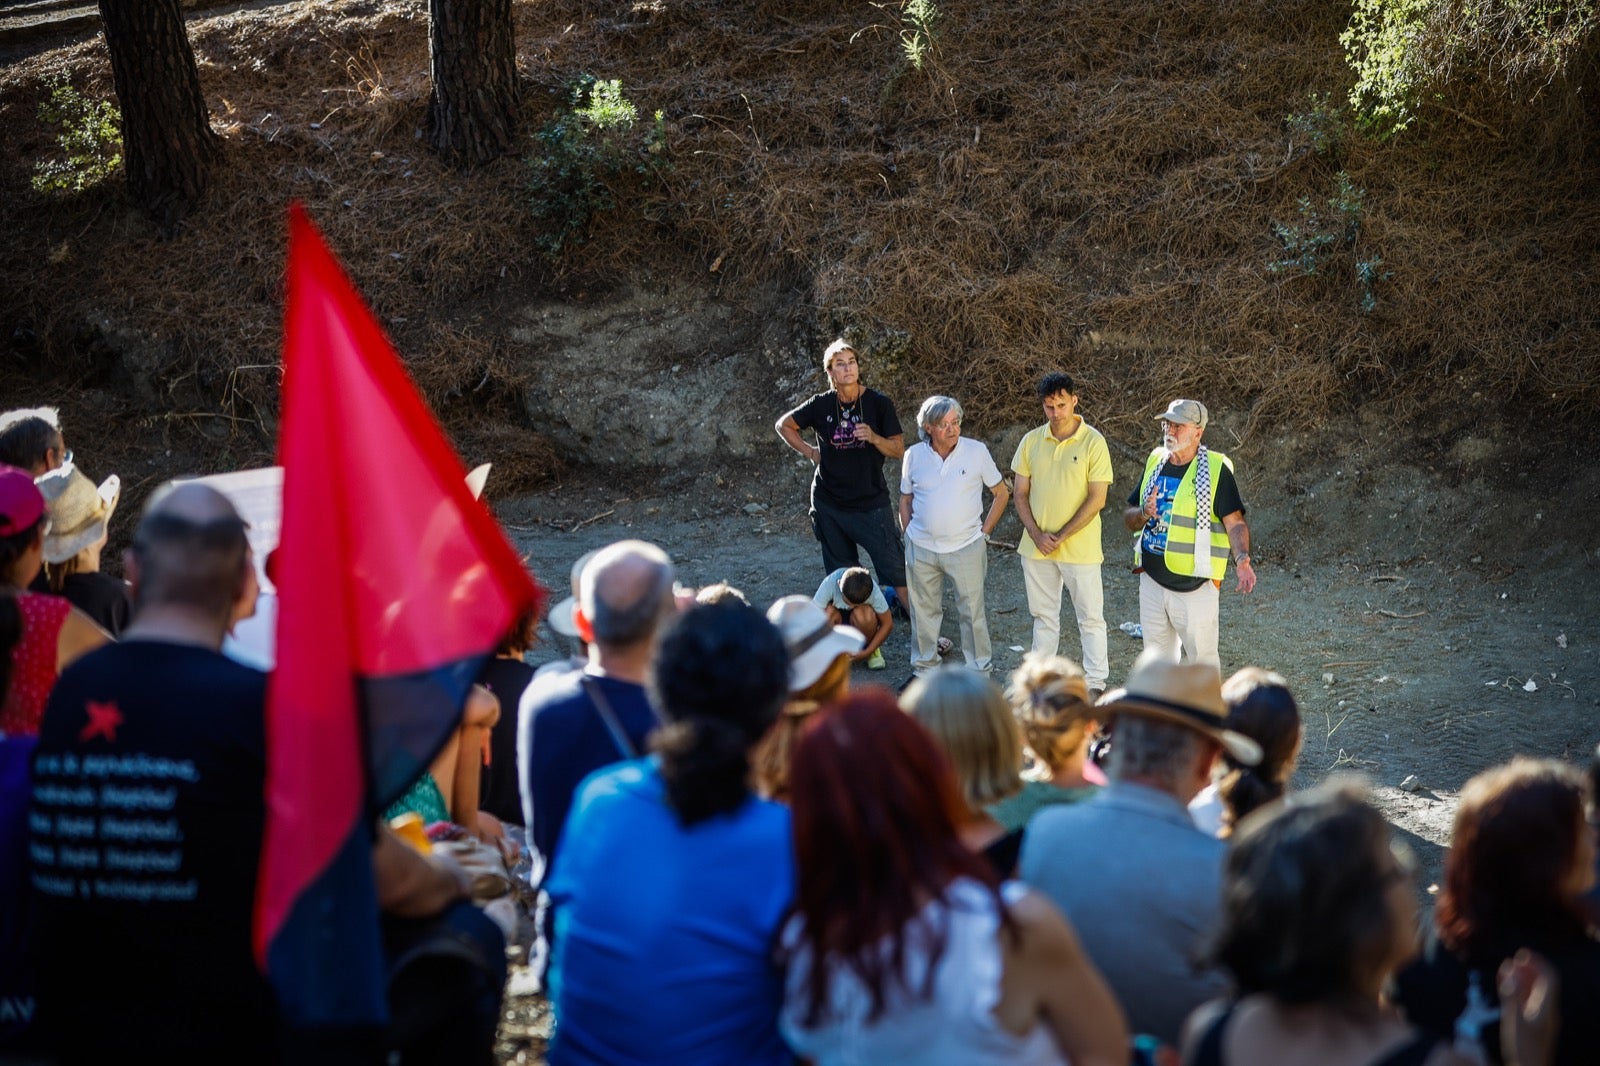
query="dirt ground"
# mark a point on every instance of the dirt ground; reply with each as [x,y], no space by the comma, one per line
[1427,610]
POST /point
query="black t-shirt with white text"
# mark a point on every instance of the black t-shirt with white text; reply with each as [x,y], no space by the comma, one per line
[144,838]
[849,476]
[1153,539]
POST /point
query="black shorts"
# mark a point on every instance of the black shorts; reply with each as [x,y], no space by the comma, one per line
[844,534]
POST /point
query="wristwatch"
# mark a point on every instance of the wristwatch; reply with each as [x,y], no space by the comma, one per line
[1245,558]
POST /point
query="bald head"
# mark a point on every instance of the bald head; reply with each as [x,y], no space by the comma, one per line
[190,551]
[626,593]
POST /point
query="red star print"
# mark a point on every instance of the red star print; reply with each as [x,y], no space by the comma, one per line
[103,721]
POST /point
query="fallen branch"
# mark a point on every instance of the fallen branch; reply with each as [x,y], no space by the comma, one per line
[1392,614]
[595,518]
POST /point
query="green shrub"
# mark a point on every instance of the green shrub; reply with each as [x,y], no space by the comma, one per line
[917,19]
[1324,125]
[88,132]
[1405,52]
[581,152]
[1369,272]
[1321,231]
[1324,230]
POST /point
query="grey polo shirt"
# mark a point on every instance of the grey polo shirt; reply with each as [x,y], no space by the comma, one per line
[1143,888]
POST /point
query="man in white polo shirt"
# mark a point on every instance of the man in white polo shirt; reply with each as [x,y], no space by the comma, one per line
[942,479]
[1063,472]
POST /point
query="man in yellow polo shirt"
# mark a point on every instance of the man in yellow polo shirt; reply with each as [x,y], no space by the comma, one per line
[1063,470]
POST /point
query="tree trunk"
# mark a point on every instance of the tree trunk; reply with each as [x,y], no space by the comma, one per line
[167,143]
[472,111]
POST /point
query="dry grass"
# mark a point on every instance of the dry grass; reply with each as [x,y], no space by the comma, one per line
[1089,186]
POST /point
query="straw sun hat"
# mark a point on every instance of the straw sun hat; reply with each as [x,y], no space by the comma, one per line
[1190,695]
[79,512]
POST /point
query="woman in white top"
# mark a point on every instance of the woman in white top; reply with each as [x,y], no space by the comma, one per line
[925,959]
[1261,707]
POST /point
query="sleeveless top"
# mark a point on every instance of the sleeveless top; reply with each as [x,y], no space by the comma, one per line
[33,662]
[423,799]
[1414,1052]
[954,1027]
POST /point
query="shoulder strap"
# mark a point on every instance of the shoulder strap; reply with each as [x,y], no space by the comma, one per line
[619,736]
[1209,1053]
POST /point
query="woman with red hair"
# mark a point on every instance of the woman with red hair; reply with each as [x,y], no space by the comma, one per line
[904,947]
[1522,857]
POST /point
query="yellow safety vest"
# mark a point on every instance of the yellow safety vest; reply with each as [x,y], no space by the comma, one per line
[1183,555]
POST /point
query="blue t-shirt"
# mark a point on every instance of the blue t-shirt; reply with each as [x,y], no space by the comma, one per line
[561,739]
[664,935]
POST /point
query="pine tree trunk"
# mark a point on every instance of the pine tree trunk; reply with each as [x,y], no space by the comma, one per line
[472,112]
[167,143]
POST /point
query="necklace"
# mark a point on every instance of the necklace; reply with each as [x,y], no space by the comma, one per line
[847,411]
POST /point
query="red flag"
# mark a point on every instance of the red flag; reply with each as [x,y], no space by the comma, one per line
[394,587]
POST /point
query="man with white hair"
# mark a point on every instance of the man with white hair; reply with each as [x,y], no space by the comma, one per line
[1190,519]
[941,510]
[1147,913]
[571,724]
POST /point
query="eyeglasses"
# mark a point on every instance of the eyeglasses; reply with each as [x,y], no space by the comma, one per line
[949,423]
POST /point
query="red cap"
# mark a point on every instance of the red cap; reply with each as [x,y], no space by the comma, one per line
[21,502]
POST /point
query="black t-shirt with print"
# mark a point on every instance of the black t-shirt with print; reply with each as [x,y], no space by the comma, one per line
[1153,539]
[144,842]
[849,476]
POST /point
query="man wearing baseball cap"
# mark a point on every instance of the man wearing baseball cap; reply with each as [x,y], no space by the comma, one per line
[1139,882]
[1190,521]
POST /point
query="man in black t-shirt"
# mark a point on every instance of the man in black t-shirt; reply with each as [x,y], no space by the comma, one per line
[147,813]
[1190,520]
[856,430]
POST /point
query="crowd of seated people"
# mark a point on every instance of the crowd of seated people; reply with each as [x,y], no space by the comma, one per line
[740,859]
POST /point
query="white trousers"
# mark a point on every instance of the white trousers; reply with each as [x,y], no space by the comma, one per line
[925,573]
[1180,622]
[1044,581]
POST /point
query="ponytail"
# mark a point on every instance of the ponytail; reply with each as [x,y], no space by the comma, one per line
[704,767]
[719,677]
[1243,790]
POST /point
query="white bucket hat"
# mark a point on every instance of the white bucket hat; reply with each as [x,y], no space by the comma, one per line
[560,616]
[812,641]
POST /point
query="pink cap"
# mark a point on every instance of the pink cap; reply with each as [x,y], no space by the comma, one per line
[21,502]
